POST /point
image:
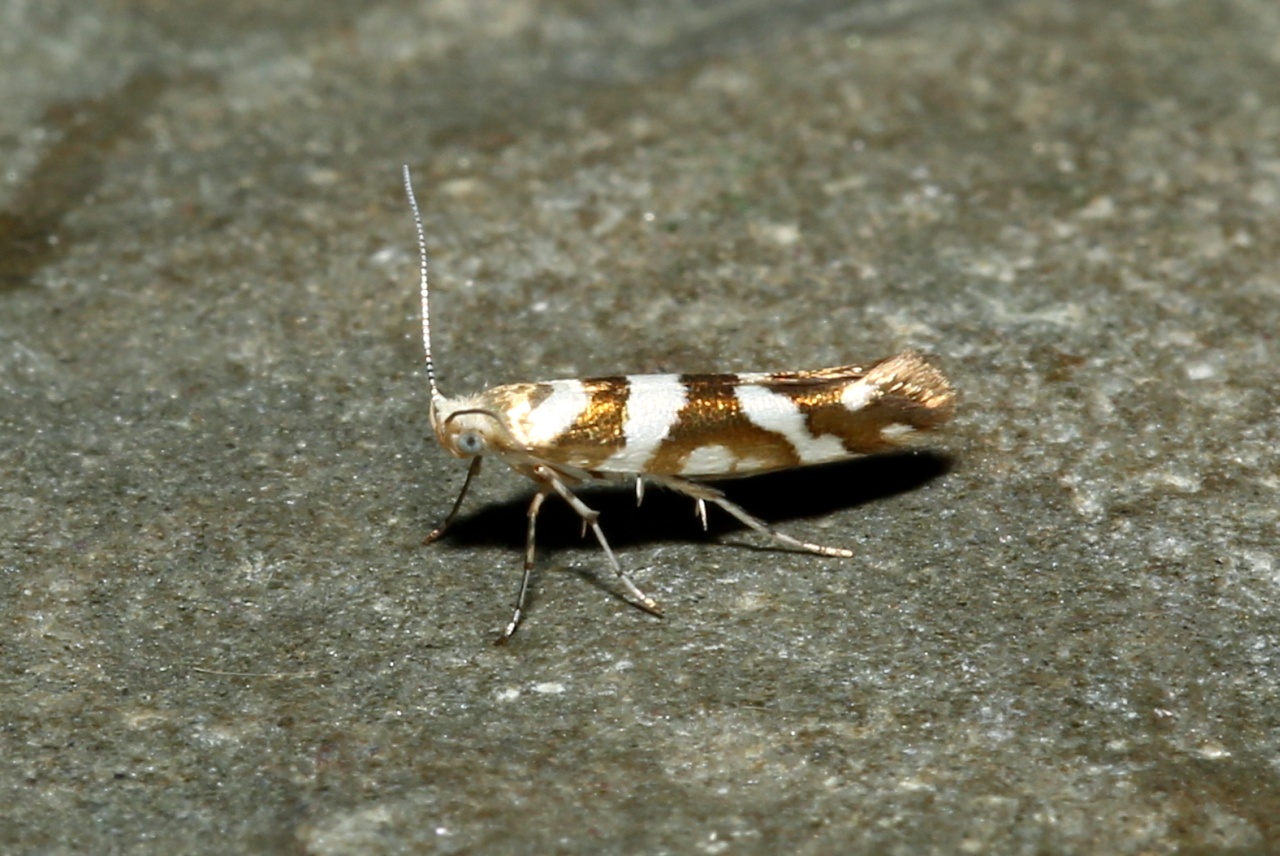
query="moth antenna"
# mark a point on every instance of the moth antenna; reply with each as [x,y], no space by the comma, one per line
[424,289]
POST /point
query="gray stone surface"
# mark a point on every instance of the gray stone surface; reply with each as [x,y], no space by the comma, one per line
[219,633]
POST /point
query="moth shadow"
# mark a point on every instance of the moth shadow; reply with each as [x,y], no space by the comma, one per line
[666,516]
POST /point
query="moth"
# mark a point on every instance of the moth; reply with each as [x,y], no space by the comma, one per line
[674,430]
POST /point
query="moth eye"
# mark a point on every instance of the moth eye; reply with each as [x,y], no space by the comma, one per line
[470,443]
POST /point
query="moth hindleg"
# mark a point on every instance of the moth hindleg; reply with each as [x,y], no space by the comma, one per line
[701,493]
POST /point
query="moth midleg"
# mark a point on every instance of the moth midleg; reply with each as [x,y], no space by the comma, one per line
[518,612]
[589,517]
[457,503]
[702,493]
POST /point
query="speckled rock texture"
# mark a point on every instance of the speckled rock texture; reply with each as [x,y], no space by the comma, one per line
[219,632]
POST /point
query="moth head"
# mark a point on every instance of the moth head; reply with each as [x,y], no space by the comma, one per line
[465,430]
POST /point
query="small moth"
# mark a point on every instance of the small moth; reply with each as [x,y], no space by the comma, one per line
[676,429]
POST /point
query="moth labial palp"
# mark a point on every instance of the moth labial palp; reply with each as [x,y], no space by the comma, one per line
[675,430]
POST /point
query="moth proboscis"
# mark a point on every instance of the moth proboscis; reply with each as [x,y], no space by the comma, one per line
[675,430]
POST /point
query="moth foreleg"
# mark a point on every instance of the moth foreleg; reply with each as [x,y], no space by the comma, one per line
[702,493]
[518,612]
[589,518]
[457,503]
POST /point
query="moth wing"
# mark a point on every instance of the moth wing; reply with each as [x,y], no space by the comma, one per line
[868,408]
[573,426]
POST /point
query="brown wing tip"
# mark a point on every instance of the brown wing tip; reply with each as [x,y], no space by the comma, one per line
[919,388]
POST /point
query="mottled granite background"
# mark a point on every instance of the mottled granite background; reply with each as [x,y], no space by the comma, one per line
[219,633]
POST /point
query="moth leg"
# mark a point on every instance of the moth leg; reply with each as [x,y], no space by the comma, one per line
[639,491]
[700,511]
[457,503]
[589,517]
[701,493]
[518,613]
